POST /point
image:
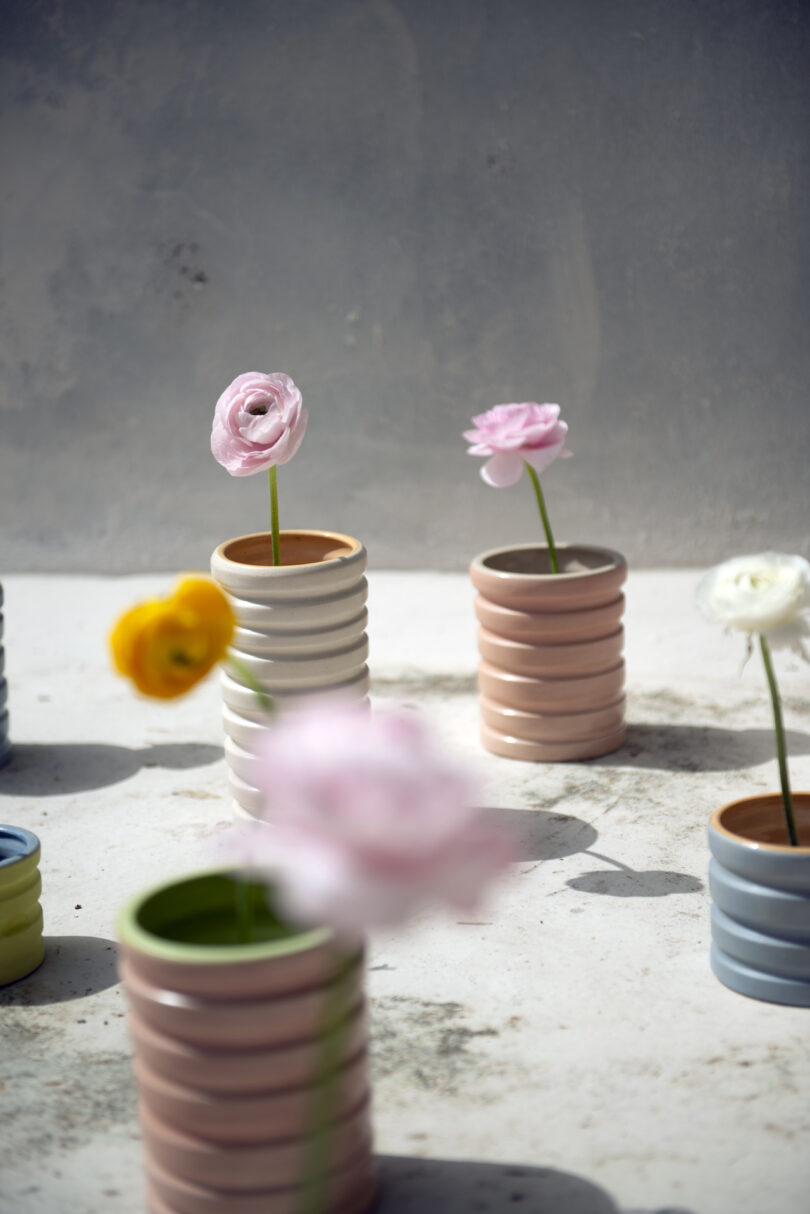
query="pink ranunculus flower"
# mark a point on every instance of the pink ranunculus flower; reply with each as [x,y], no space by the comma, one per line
[259,422]
[510,434]
[367,821]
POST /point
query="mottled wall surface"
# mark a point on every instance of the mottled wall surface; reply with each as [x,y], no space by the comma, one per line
[417,209]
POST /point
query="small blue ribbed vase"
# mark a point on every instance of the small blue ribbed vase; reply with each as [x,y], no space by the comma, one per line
[760,889]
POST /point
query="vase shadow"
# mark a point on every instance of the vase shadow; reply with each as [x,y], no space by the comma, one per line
[668,747]
[416,1186]
[74,966]
[41,769]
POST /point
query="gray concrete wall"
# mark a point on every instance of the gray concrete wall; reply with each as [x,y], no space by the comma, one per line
[417,209]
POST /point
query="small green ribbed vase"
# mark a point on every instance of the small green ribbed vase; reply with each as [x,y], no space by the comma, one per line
[22,948]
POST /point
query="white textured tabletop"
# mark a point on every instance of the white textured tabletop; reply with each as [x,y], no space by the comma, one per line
[569,1051]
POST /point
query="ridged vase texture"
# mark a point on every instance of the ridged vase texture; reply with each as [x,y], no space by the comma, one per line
[301,631]
[228,1057]
[22,948]
[760,888]
[551,669]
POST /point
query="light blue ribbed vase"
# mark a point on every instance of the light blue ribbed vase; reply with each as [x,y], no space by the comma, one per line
[760,889]
[5,743]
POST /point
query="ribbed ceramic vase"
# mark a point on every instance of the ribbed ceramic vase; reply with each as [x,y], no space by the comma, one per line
[301,631]
[21,945]
[5,743]
[250,1058]
[760,889]
[551,671]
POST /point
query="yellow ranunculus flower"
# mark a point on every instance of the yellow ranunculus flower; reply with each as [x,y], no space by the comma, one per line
[167,645]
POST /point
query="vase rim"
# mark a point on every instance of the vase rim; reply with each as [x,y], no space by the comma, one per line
[336,538]
[16,843]
[132,934]
[611,559]
[767,800]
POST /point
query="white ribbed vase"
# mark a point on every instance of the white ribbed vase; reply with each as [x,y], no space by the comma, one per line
[301,631]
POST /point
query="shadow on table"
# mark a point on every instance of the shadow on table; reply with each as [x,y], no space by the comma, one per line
[544,835]
[628,883]
[699,748]
[41,769]
[74,966]
[418,1186]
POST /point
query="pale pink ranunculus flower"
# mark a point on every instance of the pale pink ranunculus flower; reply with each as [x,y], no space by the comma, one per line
[259,422]
[367,821]
[510,434]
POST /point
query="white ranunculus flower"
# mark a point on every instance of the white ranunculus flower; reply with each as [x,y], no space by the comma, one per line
[767,593]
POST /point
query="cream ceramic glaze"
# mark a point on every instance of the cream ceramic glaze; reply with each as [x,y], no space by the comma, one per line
[301,629]
[551,674]
[306,671]
[291,644]
[241,700]
[247,800]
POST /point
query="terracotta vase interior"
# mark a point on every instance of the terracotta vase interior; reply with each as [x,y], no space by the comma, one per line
[761,820]
[297,548]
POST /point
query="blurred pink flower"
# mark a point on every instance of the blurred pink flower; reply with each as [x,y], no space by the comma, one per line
[510,434]
[259,422]
[368,822]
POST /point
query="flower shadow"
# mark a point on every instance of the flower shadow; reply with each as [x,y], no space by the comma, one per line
[542,834]
[74,966]
[667,747]
[40,769]
[627,883]
[411,1186]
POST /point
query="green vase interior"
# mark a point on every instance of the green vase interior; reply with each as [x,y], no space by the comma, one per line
[205,910]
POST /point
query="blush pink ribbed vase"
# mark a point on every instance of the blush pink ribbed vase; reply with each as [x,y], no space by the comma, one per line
[250,1058]
[551,674]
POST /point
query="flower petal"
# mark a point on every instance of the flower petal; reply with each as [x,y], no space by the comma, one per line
[541,457]
[503,469]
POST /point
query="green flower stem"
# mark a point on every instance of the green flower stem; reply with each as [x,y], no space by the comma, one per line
[246,675]
[244,899]
[244,912]
[781,750]
[541,505]
[274,514]
[317,1145]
